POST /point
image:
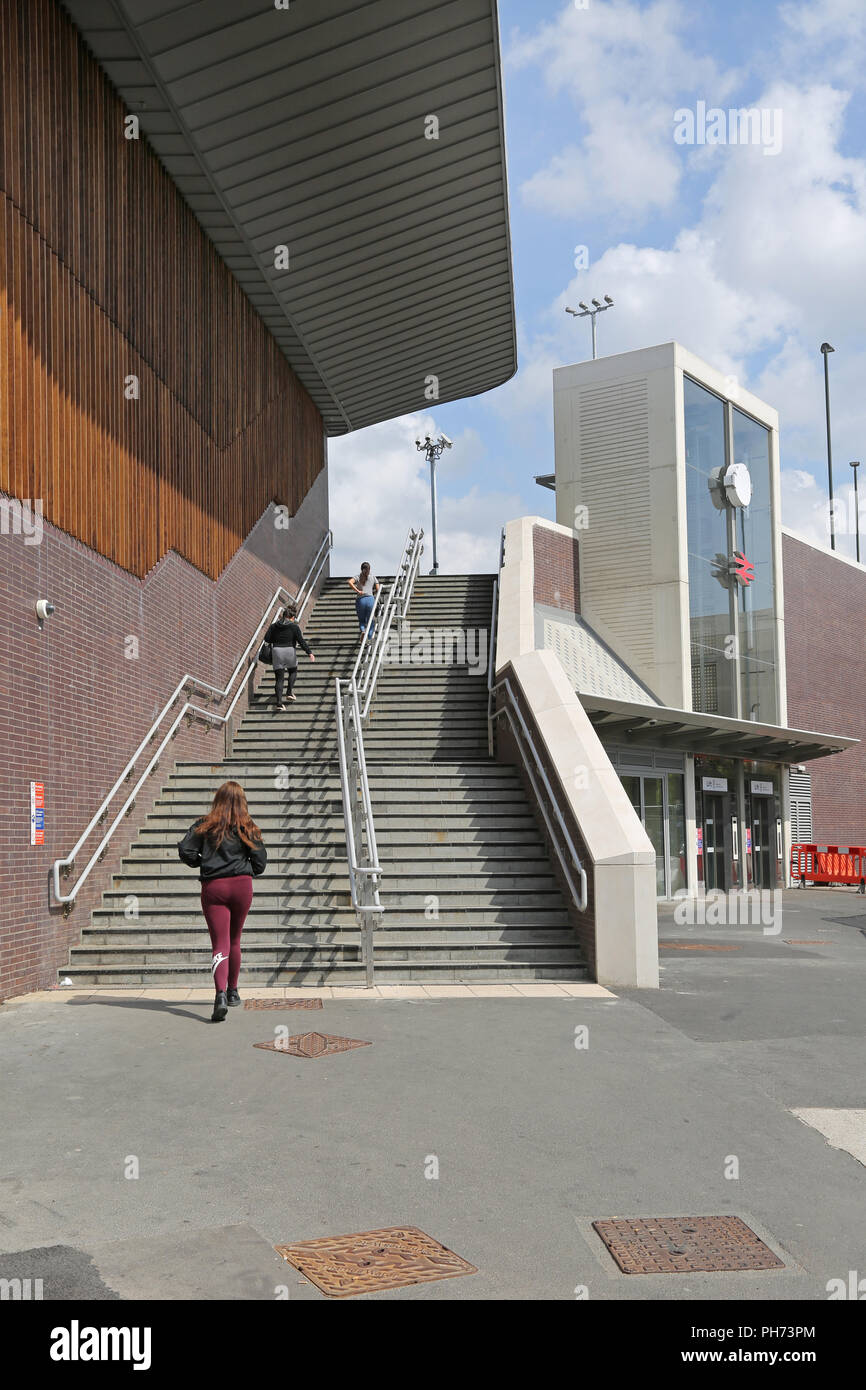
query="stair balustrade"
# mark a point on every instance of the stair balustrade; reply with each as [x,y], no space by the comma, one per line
[353,698]
[242,671]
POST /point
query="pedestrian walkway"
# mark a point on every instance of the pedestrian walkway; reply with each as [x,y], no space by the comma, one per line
[544,1114]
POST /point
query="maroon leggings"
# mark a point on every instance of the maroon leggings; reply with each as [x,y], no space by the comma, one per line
[225,903]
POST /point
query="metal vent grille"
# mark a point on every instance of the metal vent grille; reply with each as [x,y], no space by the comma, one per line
[800,784]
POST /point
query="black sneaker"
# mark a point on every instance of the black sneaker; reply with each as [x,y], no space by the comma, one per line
[232,998]
[220,1007]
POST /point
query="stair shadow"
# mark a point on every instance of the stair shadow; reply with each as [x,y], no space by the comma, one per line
[161,1006]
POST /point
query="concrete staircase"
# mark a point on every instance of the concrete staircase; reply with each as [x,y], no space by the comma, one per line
[468,889]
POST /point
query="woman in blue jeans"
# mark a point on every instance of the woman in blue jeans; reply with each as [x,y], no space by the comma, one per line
[366,586]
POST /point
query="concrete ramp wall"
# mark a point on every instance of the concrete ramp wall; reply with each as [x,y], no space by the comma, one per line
[618,927]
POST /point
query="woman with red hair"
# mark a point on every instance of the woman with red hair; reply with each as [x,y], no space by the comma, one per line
[226,847]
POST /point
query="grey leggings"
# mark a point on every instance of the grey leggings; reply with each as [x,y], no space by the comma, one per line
[285,661]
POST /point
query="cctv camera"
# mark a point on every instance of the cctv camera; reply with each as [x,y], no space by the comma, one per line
[446,441]
[44,609]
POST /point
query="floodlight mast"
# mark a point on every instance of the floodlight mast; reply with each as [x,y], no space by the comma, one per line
[584,311]
[433,450]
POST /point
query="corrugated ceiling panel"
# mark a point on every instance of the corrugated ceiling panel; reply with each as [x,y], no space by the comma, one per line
[305,127]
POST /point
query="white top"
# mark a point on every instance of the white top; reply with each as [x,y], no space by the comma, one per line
[366,588]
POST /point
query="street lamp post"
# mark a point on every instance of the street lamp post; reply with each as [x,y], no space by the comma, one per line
[433,450]
[826,349]
[582,312]
[855,466]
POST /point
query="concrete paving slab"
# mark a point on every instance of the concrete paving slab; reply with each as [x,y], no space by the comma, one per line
[843,1129]
[492,991]
[586,990]
[540,991]
[400,992]
[224,1263]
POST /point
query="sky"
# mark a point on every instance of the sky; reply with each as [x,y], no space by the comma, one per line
[749,259]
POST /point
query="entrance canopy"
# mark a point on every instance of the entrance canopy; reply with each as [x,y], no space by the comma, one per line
[348,163]
[712,734]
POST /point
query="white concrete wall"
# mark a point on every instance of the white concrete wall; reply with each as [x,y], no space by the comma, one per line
[622,858]
[616,431]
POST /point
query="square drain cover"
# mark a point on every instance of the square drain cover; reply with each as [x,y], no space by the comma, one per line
[683,1244]
[312,1045]
[282,1003]
[343,1266]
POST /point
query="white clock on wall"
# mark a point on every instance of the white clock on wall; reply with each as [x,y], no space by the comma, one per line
[737,483]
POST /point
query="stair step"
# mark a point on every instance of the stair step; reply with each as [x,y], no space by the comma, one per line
[337,918]
[478,971]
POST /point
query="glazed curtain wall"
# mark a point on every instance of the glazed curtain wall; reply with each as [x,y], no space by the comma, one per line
[716,434]
[106,275]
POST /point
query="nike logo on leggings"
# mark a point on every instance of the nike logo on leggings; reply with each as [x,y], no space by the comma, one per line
[217,960]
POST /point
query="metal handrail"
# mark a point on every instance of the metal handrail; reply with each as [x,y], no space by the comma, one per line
[491,659]
[353,696]
[491,654]
[580,896]
[368,662]
[307,588]
[362,858]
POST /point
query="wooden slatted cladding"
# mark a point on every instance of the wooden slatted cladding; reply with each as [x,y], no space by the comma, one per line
[106,274]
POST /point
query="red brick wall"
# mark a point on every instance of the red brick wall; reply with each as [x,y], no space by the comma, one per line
[557,577]
[825,618]
[74,708]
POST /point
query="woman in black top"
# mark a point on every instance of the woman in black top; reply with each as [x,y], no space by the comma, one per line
[226,847]
[285,637]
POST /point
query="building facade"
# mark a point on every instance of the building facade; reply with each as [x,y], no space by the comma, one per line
[667,475]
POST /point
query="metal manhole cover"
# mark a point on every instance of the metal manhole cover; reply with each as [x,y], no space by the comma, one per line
[694,946]
[685,1244]
[282,1003]
[312,1045]
[344,1266]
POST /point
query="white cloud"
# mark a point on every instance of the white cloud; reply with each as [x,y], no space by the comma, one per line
[805,509]
[380,487]
[830,35]
[626,68]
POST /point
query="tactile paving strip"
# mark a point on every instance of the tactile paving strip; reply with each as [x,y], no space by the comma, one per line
[282,1003]
[312,1045]
[393,1258]
[694,946]
[685,1244]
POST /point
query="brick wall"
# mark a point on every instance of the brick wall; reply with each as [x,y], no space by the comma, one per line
[557,577]
[825,617]
[74,707]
